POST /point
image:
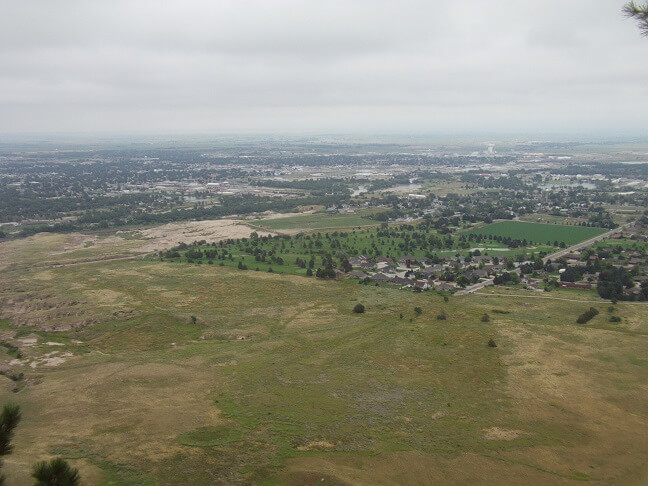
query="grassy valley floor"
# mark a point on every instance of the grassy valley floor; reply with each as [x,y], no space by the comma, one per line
[145,372]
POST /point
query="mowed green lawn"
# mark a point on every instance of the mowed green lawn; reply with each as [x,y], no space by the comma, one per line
[315,221]
[539,232]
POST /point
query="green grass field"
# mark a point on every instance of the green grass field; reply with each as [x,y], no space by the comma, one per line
[623,243]
[538,232]
[315,221]
[279,382]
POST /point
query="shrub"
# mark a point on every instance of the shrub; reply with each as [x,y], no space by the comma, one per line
[587,315]
[492,343]
[418,311]
[359,309]
[57,471]
[442,316]
[614,319]
[485,318]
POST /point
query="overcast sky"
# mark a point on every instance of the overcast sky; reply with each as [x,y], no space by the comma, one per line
[429,66]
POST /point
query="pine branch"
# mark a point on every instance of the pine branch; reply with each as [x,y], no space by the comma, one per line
[639,13]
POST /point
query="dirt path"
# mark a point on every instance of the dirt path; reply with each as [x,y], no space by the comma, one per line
[551,298]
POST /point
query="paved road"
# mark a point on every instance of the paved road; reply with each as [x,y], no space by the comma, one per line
[584,244]
[473,288]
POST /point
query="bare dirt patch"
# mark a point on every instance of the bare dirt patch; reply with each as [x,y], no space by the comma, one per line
[495,433]
[50,360]
[271,215]
[28,341]
[316,445]
[168,235]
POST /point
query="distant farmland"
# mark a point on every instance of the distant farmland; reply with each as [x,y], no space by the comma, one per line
[315,221]
[539,233]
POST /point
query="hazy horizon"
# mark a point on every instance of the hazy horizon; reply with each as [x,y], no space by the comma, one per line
[287,67]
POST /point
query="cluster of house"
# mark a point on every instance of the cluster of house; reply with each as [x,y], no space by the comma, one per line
[450,274]
[631,260]
[420,273]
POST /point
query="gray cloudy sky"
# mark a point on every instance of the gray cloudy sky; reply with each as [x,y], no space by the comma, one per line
[329,65]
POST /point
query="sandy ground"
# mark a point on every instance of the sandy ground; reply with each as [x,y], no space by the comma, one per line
[53,248]
[165,236]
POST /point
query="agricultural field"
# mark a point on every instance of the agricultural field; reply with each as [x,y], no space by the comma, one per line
[315,221]
[538,232]
[159,373]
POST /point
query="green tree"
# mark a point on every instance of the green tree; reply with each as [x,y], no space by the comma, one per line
[640,13]
[9,420]
[56,472]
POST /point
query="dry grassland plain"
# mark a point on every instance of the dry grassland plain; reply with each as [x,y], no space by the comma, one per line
[278,382]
